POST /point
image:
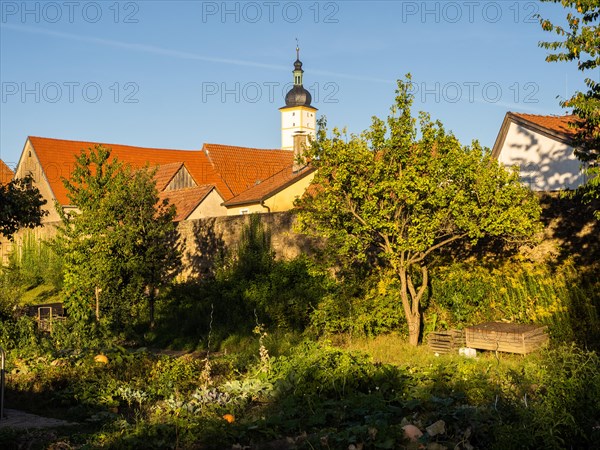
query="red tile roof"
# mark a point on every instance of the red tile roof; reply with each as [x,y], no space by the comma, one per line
[242,168]
[557,124]
[270,186]
[57,157]
[6,174]
[186,200]
[165,173]
[554,127]
[232,170]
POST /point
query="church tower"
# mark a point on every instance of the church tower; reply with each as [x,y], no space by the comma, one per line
[298,117]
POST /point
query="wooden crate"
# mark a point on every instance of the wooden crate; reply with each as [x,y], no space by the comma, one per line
[446,341]
[506,337]
[56,309]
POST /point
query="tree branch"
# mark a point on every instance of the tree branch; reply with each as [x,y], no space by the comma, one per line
[421,256]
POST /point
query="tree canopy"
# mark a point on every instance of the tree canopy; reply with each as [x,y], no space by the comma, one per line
[579,41]
[398,193]
[20,206]
[120,244]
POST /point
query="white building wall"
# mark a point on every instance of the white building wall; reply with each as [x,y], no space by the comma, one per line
[294,120]
[544,163]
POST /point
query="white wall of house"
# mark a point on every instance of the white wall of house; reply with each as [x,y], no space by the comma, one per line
[545,164]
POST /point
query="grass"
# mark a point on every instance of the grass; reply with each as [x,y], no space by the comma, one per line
[393,349]
[43,293]
[388,349]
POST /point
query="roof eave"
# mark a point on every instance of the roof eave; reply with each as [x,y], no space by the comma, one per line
[299,106]
[514,118]
[303,173]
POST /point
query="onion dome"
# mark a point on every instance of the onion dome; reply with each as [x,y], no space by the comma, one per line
[297,95]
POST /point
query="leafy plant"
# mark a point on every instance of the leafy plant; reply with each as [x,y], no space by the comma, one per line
[398,193]
[119,246]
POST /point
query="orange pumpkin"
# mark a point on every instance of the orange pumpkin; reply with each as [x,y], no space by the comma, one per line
[102,359]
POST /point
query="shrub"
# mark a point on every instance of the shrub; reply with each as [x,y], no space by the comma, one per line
[20,335]
[366,307]
[555,402]
[562,297]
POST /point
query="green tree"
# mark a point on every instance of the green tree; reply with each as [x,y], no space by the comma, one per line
[395,197]
[147,237]
[579,41]
[119,245]
[20,206]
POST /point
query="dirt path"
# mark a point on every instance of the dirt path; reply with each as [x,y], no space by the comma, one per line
[14,418]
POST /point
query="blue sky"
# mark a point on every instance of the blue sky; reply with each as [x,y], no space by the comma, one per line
[177,74]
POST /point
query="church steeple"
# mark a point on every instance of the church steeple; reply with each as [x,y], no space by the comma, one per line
[298,96]
[298,69]
[298,117]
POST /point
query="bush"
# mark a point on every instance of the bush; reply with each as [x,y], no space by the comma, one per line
[366,307]
[555,402]
[563,297]
[250,288]
[20,335]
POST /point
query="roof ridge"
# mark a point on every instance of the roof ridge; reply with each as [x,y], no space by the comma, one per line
[558,116]
[111,144]
[246,148]
[215,167]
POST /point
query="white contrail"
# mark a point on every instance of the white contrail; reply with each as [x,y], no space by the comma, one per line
[179,54]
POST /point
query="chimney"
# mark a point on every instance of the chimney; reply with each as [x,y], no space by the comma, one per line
[300,144]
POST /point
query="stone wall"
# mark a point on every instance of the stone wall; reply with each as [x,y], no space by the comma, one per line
[204,240]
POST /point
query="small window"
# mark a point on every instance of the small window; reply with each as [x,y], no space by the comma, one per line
[293,114]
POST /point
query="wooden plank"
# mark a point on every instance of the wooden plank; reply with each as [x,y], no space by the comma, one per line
[445,341]
[506,337]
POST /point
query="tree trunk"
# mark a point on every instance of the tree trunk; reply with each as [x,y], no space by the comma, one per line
[414,329]
[411,302]
[151,301]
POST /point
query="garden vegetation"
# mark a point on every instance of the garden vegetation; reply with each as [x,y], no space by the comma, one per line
[313,352]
